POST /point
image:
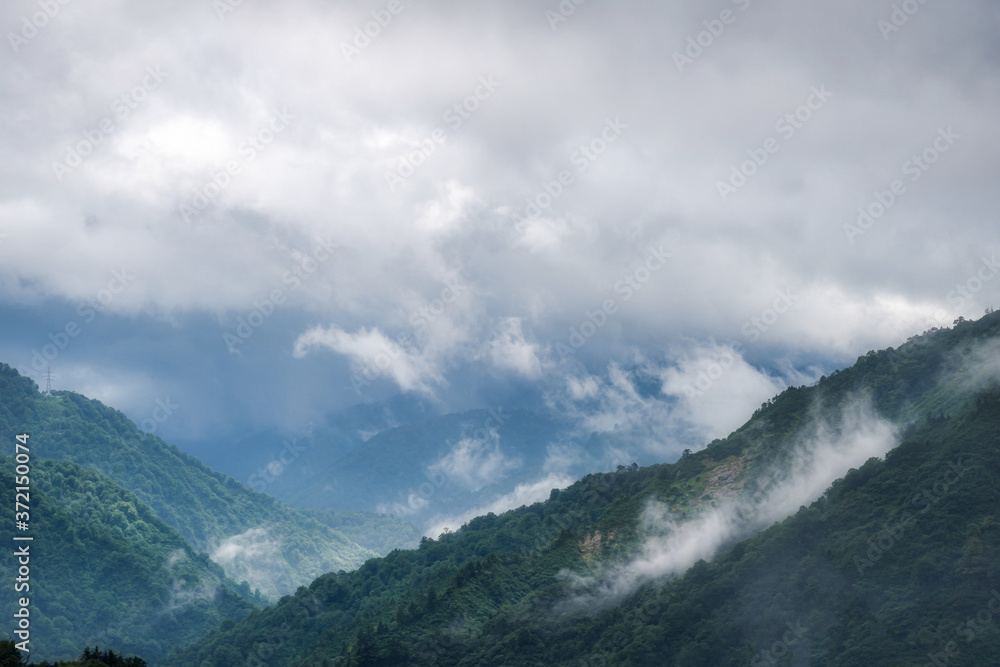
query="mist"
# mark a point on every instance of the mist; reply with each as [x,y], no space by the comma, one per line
[827,450]
[252,556]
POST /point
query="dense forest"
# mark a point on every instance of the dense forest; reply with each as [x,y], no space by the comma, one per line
[205,507]
[894,564]
[90,657]
[126,528]
[108,571]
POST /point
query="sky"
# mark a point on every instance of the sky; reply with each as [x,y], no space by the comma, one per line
[222,215]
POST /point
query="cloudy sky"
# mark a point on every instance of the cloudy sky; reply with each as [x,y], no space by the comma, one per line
[256,211]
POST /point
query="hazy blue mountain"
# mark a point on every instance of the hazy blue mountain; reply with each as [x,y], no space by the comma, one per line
[282,462]
[748,552]
[250,534]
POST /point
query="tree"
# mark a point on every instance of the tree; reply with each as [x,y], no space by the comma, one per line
[9,655]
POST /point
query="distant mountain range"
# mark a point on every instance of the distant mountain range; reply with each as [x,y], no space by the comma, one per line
[850,522]
[149,547]
[853,522]
[403,458]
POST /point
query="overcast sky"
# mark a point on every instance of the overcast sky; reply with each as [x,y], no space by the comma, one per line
[259,201]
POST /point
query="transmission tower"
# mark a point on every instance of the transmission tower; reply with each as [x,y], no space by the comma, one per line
[48,381]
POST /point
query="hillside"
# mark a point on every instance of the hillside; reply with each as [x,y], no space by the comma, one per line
[253,536]
[106,570]
[694,563]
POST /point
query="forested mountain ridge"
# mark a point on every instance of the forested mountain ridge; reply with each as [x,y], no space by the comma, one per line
[255,537]
[106,570]
[887,567]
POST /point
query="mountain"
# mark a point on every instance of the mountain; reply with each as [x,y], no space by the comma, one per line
[266,457]
[440,471]
[401,457]
[463,457]
[851,522]
[104,569]
[254,537]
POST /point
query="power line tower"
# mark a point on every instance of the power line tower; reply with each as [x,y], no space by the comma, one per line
[48,381]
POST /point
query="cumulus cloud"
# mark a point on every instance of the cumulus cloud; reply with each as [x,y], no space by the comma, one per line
[509,350]
[346,123]
[373,354]
[658,407]
[717,390]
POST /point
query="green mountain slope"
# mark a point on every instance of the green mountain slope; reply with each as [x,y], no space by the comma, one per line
[255,537]
[556,583]
[104,569]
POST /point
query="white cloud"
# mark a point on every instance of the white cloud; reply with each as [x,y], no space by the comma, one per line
[475,463]
[373,354]
[253,556]
[254,544]
[523,494]
[826,452]
[323,176]
[510,350]
[717,389]
[707,391]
